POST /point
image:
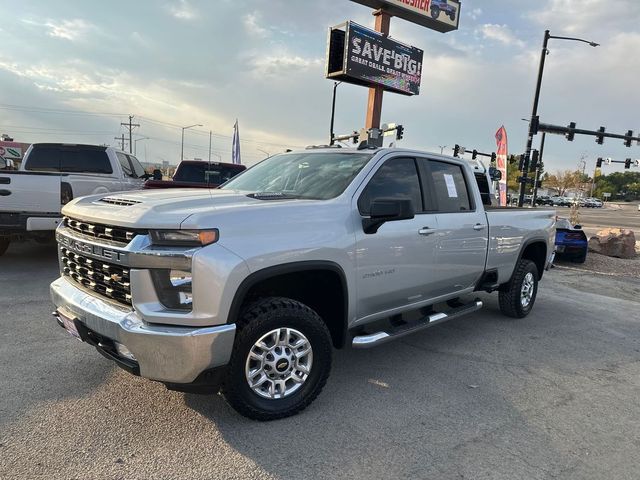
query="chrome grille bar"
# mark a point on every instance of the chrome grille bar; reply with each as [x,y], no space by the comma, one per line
[118,234]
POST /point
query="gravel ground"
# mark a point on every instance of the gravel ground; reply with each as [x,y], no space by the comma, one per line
[601,264]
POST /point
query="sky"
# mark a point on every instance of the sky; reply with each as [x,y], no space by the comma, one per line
[72,71]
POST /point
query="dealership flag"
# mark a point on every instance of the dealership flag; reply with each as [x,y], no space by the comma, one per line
[235,149]
[501,159]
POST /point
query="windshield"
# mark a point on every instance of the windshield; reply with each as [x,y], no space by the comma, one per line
[302,175]
[205,173]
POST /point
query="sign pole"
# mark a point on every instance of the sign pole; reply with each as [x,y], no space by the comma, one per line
[374,106]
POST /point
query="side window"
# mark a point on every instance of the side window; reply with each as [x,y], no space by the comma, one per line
[124,163]
[397,178]
[450,187]
[138,169]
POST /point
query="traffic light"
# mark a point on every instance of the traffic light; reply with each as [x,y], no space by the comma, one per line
[571,133]
[535,158]
[627,163]
[627,141]
[399,132]
[523,164]
[599,163]
[456,150]
[474,154]
[356,136]
[600,138]
[493,157]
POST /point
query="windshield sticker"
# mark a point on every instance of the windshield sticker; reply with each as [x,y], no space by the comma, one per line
[451,186]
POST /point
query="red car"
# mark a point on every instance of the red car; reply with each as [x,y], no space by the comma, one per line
[198,174]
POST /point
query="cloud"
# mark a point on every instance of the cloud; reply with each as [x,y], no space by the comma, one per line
[182,10]
[72,29]
[252,25]
[500,33]
[475,13]
[280,63]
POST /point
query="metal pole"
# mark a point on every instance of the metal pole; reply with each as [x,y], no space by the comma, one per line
[535,185]
[593,180]
[332,140]
[182,146]
[534,113]
[374,105]
[210,133]
[130,134]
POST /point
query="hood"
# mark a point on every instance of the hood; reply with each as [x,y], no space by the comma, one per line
[159,209]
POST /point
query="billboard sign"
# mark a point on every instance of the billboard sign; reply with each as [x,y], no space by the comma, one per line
[440,15]
[10,152]
[362,56]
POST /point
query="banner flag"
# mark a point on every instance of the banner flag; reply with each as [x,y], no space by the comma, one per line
[235,149]
[502,155]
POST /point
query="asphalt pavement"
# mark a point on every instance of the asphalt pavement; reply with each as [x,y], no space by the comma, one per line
[554,395]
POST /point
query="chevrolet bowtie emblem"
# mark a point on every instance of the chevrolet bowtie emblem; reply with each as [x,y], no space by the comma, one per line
[116,278]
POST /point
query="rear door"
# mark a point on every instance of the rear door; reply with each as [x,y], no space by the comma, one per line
[462,236]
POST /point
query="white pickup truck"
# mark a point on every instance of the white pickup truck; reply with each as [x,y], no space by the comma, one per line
[254,283]
[51,175]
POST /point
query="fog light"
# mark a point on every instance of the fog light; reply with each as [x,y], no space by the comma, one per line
[123,351]
[174,288]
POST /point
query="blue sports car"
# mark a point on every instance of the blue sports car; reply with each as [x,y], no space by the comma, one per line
[571,242]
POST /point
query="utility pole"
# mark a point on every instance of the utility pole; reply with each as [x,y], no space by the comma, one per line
[121,140]
[374,106]
[210,133]
[130,127]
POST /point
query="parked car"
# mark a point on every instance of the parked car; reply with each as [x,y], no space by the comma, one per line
[51,175]
[445,7]
[252,285]
[571,241]
[198,174]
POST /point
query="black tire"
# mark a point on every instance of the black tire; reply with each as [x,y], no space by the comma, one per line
[435,11]
[511,292]
[4,244]
[452,16]
[256,320]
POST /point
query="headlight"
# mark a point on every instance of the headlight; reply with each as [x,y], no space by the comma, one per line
[184,238]
[174,288]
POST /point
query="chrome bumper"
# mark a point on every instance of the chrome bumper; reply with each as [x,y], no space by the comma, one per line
[164,353]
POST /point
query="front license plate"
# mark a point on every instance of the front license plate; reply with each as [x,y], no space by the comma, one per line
[69,325]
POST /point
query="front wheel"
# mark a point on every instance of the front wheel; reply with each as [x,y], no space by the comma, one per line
[517,297]
[435,11]
[281,359]
[4,244]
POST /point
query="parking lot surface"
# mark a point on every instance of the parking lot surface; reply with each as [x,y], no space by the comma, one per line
[554,395]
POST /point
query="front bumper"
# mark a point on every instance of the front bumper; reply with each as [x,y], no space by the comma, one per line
[164,353]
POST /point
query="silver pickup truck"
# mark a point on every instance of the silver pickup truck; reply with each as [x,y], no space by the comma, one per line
[249,287]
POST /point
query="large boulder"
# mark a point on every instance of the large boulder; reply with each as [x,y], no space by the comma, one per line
[614,242]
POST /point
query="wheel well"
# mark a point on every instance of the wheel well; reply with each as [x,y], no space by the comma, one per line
[323,290]
[537,253]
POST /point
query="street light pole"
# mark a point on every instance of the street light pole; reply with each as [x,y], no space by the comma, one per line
[333,114]
[182,143]
[536,100]
[535,184]
[442,147]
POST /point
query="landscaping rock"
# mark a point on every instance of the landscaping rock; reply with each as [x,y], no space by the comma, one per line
[614,242]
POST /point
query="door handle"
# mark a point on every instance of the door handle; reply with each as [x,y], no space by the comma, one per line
[427,231]
[5,193]
[479,226]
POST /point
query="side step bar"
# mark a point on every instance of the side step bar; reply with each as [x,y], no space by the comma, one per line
[378,338]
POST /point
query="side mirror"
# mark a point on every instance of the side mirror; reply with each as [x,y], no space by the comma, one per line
[387,210]
[495,174]
[157,174]
[577,227]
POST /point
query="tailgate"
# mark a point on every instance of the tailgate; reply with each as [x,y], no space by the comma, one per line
[30,192]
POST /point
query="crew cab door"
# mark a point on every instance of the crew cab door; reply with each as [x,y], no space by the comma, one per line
[462,236]
[393,265]
[132,172]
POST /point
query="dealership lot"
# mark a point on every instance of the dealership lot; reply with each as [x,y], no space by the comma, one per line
[555,394]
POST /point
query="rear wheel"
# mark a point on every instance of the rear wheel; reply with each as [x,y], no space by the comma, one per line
[580,258]
[281,359]
[517,297]
[4,244]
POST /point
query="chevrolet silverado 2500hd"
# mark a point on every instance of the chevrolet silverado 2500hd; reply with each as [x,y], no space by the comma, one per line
[52,174]
[249,287]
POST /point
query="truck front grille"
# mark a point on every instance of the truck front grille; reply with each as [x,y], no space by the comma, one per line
[106,279]
[118,234]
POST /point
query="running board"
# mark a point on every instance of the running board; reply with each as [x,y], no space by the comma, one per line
[378,338]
